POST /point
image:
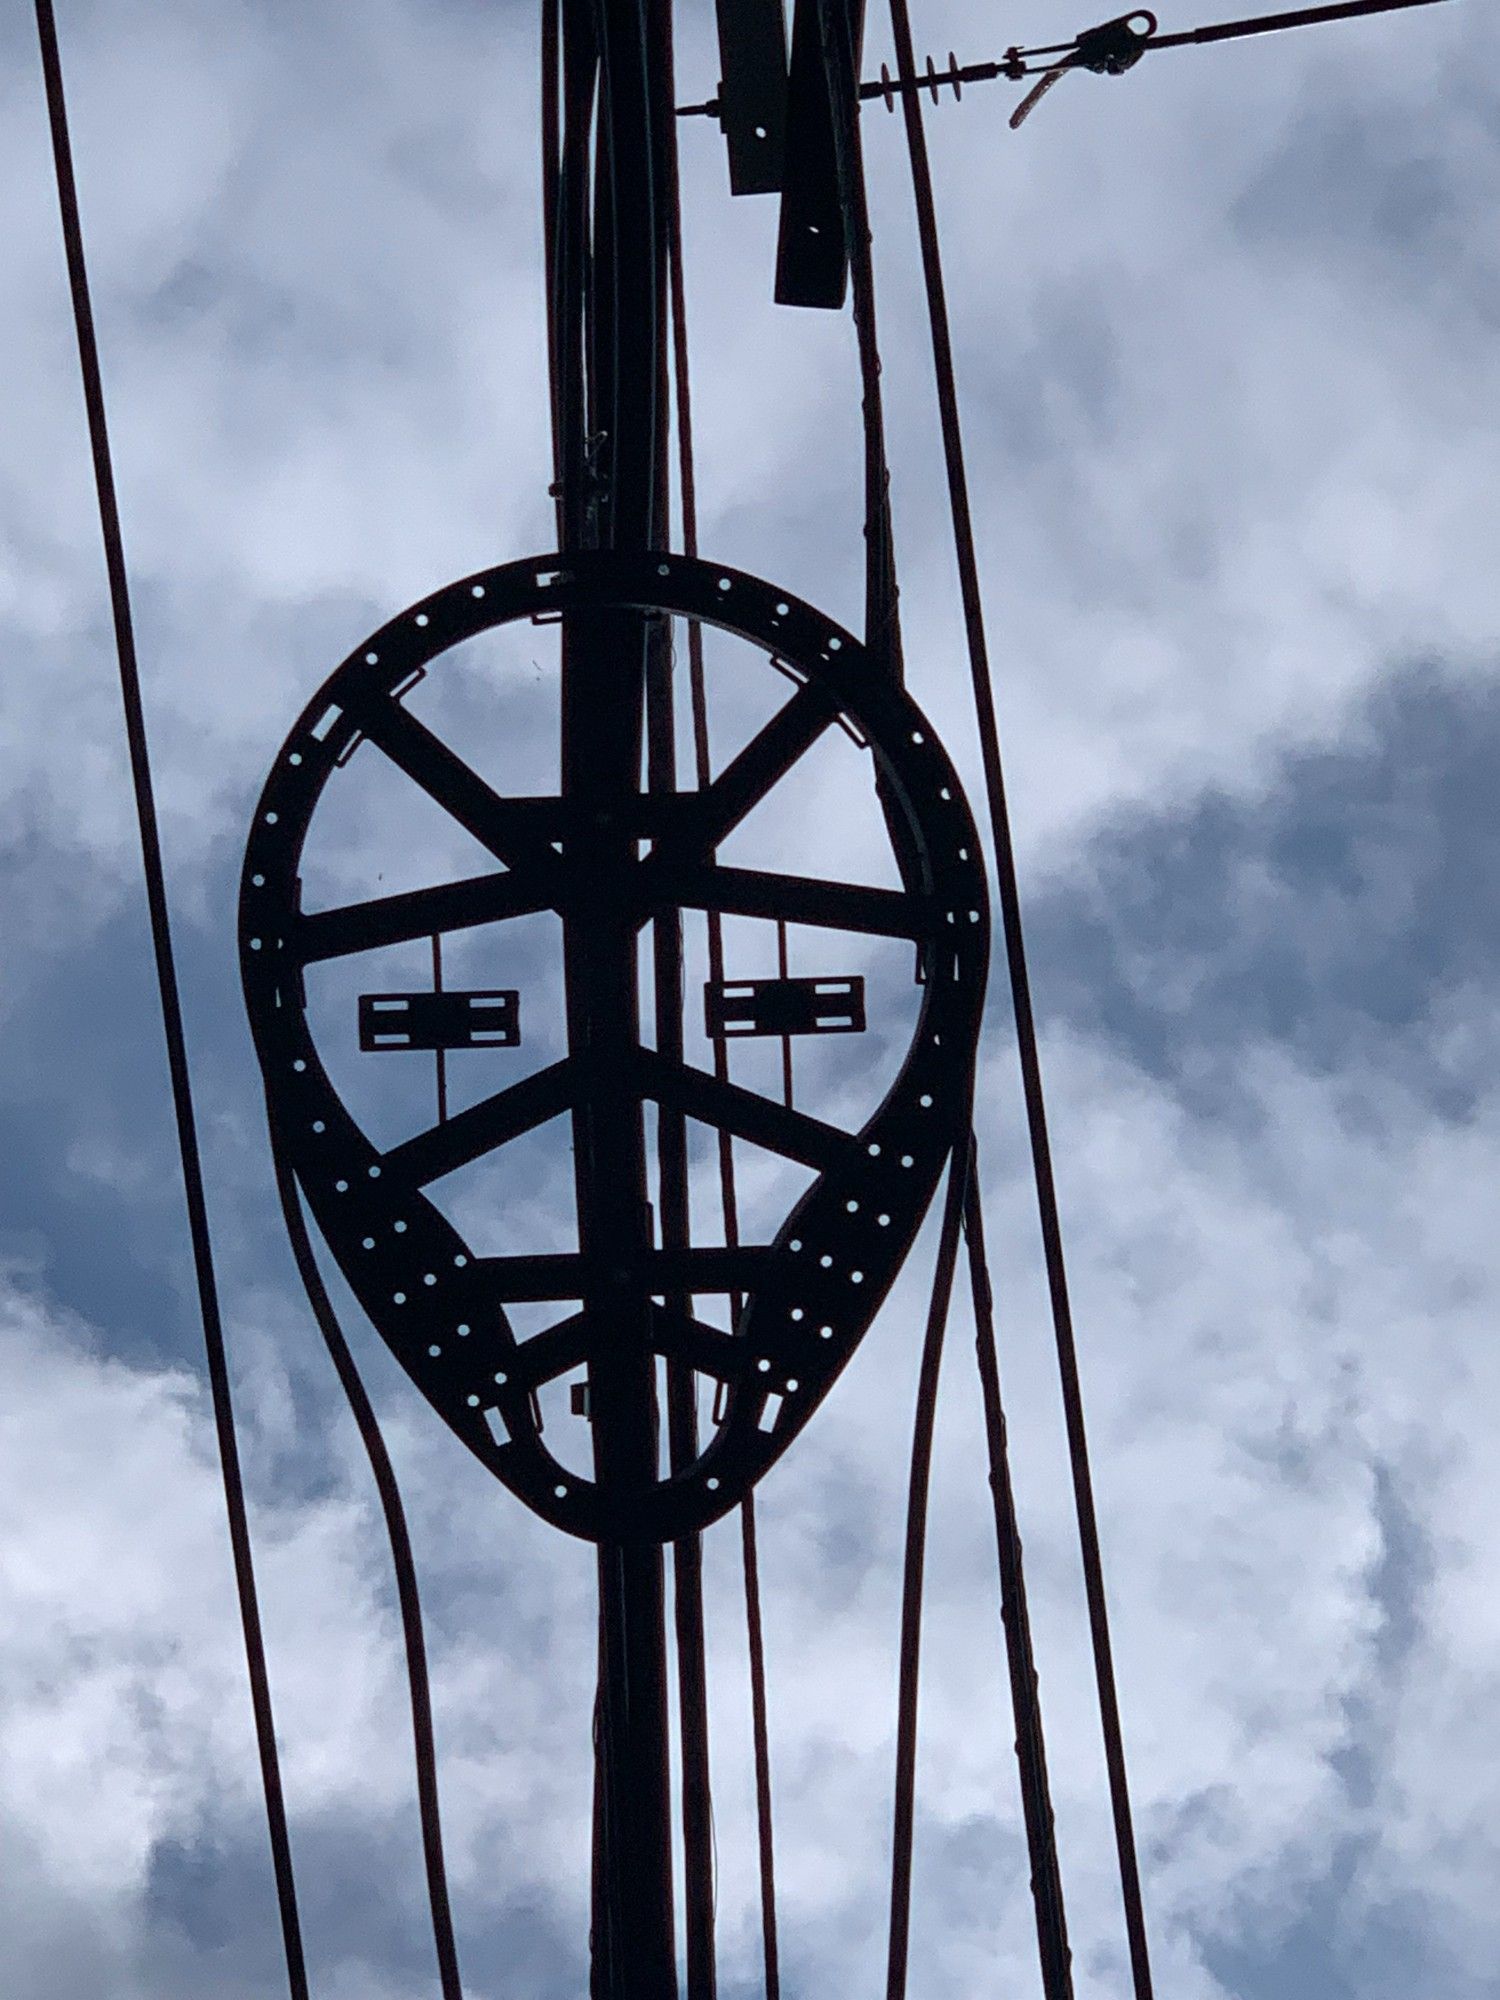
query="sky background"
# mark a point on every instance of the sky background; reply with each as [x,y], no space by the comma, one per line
[1226,336]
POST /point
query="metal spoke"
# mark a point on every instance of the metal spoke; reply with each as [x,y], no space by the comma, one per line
[566,1274]
[484,1126]
[517,831]
[709,817]
[795,899]
[418,913]
[697,1093]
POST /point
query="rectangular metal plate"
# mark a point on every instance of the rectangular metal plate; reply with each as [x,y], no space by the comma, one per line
[734,1008]
[489,1020]
[752,92]
[812,262]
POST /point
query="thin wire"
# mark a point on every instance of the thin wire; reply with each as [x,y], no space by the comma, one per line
[402,1563]
[909,1676]
[703,763]
[171,1008]
[1025,1021]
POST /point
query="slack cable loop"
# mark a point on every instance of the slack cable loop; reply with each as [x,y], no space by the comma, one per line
[403,1564]
[1008,887]
[170,1000]
[903,1815]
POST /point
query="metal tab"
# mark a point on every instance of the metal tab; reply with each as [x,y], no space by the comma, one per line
[734,1008]
[481,1020]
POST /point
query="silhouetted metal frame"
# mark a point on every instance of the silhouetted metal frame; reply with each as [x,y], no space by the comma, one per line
[810,1294]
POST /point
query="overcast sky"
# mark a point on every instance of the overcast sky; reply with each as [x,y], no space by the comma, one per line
[1227,339]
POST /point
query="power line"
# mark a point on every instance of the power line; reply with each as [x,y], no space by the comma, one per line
[1025,1022]
[171,1007]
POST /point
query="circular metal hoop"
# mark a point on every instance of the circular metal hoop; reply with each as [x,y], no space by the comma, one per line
[809,1295]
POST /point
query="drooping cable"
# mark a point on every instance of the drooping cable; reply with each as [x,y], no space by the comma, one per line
[914,1571]
[1025,1022]
[171,1008]
[403,1564]
[703,768]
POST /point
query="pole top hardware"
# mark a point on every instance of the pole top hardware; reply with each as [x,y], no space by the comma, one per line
[1110,49]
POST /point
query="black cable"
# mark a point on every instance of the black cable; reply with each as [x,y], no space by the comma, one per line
[402,1563]
[1025,1696]
[703,771]
[551,124]
[841,58]
[903,1819]
[1025,1021]
[171,1007]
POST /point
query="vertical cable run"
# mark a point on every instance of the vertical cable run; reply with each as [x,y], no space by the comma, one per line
[755,1638]
[171,1008]
[1026,1036]
[672,1151]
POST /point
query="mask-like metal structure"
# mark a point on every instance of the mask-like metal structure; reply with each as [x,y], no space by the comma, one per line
[803,1299]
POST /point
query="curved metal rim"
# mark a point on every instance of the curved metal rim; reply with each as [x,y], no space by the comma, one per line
[802,1323]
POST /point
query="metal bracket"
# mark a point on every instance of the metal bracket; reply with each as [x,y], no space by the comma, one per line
[736,1008]
[446,1020]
